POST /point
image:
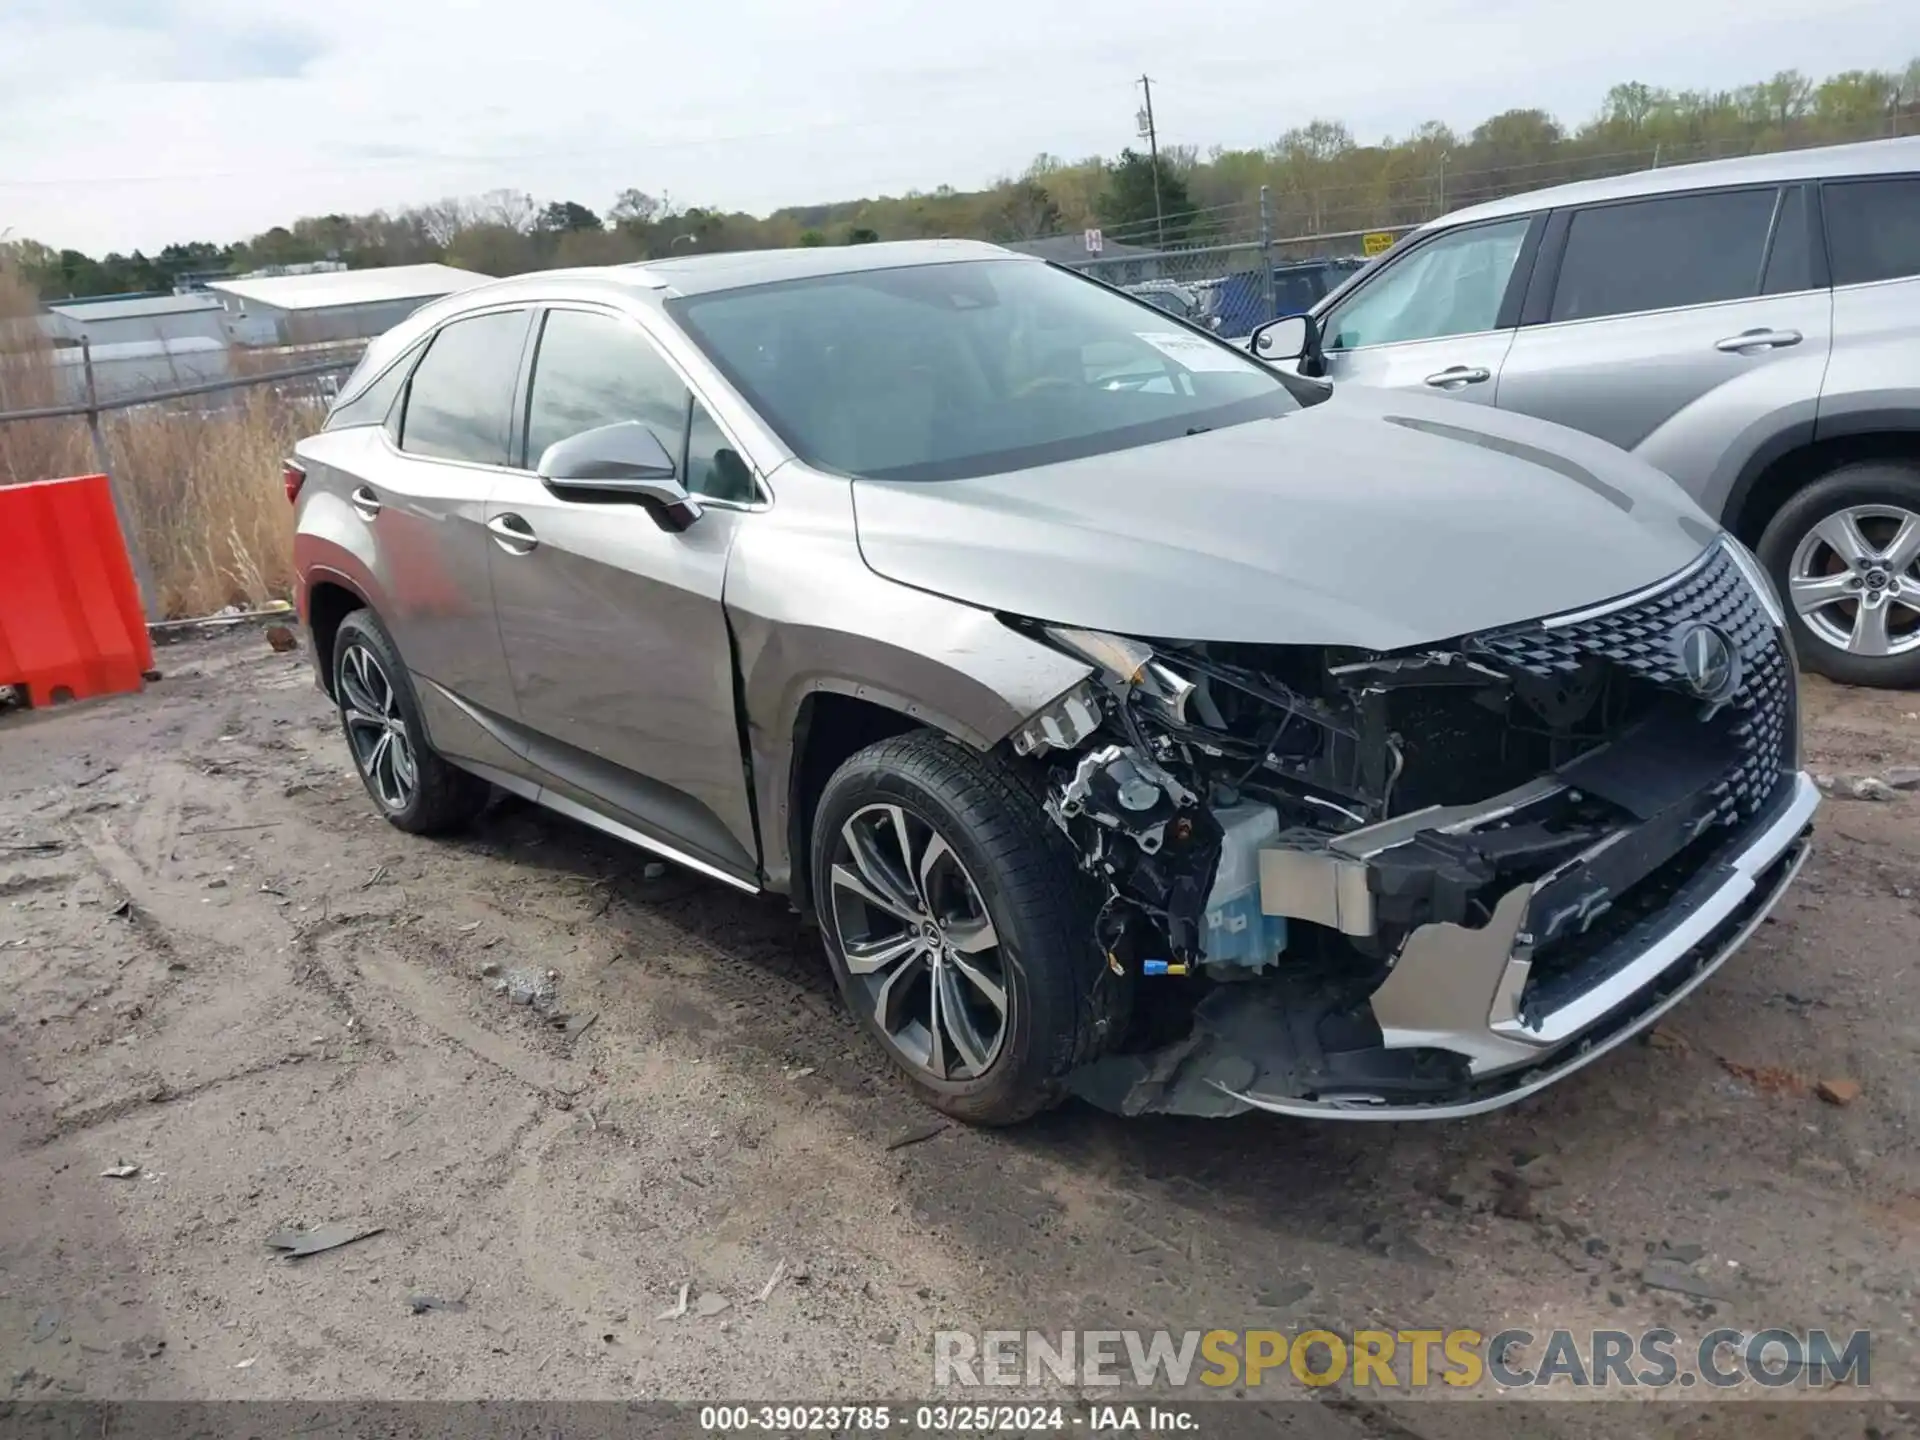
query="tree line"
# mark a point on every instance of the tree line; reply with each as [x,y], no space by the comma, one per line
[1317,177]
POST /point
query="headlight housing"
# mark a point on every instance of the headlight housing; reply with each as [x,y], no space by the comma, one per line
[1127,664]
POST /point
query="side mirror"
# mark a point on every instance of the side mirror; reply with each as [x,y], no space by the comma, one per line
[620,462]
[1291,337]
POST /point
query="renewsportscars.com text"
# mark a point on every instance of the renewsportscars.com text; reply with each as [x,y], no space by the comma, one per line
[1721,1358]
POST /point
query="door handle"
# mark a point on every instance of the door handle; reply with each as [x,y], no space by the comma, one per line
[1454,376]
[365,503]
[512,534]
[1749,342]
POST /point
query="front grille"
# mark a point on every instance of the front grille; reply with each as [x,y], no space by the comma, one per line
[1641,640]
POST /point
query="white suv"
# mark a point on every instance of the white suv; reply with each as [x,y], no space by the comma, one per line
[1750,326]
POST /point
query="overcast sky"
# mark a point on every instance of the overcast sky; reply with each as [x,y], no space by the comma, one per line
[129,123]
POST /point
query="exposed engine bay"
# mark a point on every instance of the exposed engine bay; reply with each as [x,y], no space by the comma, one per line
[1297,844]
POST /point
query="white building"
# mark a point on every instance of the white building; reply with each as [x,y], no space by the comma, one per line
[130,368]
[144,319]
[333,305]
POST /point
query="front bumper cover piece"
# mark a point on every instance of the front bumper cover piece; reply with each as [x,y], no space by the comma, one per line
[1457,1028]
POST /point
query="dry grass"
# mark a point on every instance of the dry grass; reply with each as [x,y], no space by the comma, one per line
[204,489]
[29,450]
[200,477]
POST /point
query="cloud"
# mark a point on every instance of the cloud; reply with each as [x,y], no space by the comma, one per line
[143,42]
[251,51]
[382,150]
[108,14]
[136,122]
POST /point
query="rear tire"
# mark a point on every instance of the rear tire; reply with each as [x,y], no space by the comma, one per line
[415,789]
[935,868]
[1844,553]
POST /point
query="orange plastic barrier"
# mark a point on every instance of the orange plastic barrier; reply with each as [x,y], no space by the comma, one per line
[71,625]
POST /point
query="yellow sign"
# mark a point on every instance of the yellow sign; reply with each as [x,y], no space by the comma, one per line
[1374,242]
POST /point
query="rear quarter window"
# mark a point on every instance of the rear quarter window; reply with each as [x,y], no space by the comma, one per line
[374,404]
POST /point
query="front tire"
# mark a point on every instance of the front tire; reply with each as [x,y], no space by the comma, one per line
[1843,554]
[415,789]
[958,929]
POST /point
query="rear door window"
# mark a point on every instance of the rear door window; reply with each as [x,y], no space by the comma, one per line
[460,400]
[1873,229]
[1660,254]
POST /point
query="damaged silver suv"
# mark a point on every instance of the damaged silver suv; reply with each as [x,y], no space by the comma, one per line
[1138,722]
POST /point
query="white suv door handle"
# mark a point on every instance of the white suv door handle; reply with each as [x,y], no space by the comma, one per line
[1748,342]
[366,504]
[512,534]
[1453,377]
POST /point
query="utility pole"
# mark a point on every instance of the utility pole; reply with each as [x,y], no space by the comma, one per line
[1151,136]
[1267,298]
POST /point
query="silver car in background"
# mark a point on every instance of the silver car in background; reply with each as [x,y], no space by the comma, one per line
[1137,722]
[1751,327]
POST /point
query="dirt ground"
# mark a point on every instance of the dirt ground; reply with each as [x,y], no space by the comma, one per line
[224,969]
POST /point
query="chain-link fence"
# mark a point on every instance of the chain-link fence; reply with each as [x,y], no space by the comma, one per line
[194,460]
[1233,265]
[1230,286]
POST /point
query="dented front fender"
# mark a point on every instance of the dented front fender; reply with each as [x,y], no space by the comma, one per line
[808,617]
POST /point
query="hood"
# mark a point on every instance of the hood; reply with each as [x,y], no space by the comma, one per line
[1374,519]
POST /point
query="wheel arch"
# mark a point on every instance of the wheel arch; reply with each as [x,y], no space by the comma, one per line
[1781,468]
[830,727]
[330,598]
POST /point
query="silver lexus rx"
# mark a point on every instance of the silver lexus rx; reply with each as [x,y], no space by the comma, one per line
[1136,721]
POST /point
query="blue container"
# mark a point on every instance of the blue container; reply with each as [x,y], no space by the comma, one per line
[1236,932]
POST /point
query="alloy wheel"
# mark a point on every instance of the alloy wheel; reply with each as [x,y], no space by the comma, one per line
[376,730]
[919,946]
[1852,580]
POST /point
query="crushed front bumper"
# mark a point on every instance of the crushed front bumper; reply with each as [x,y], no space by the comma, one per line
[1456,1028]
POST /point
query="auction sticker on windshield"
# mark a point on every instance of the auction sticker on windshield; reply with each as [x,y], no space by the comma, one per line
[1191,350]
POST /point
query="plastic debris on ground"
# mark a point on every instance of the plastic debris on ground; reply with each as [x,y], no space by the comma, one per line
[298,1243]
[772,1280]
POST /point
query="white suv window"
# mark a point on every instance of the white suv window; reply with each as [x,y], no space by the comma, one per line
[1452,285]
[1659,254]
[1873,229]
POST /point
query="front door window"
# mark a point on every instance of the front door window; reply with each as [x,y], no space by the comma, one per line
[1452,285]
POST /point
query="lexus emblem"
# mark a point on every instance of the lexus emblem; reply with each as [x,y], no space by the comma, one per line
[1709,662]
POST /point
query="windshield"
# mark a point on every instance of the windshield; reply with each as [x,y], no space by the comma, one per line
[938,372]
